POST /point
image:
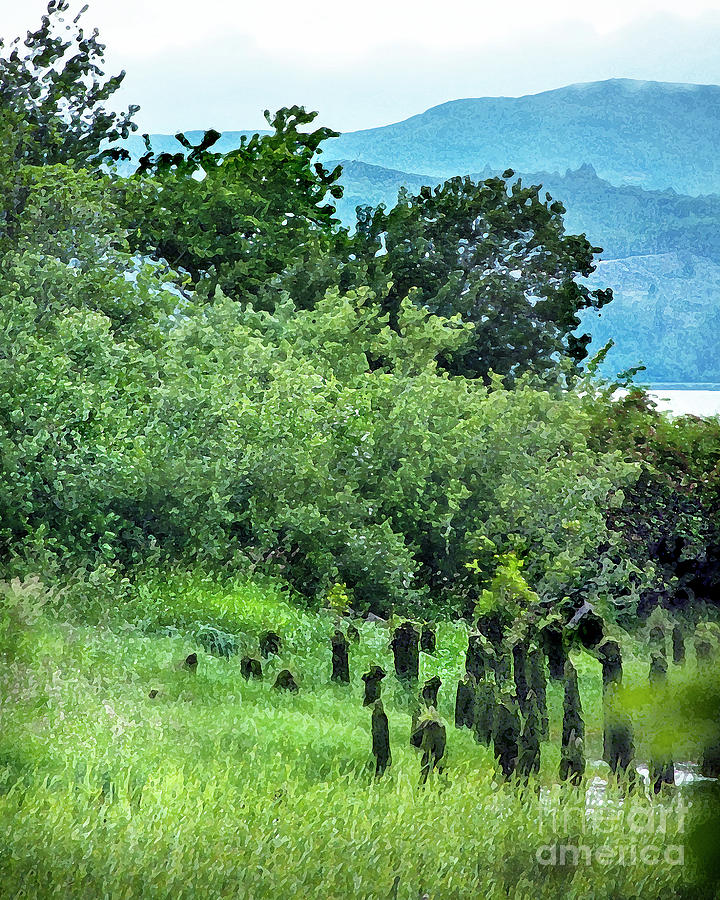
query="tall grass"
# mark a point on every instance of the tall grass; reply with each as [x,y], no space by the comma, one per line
[226,788]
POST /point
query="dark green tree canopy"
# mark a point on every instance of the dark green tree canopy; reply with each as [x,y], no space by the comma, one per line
[496,254]
[241,219]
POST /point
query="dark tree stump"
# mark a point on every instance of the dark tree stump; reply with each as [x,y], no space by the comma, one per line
[372,680]
[250,667]
[340,661]
[538,685]
[428,641]
[405,646]
[190,662]
[431,738]
[678,644]
[661,768]
[270,643]
[484,711]
[429,694]
[475,655]
[380,739]
[554,646]
[286,682]
[506,733]
[465,703]
[572,761]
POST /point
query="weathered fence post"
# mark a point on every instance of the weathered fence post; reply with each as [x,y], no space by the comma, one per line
[678,644]
[529,742]
[662,770]
[380,738]
[430,690]
[286,682]
[554,646]
[520,674]
[270,643]
[506,732]
[405,646]
[475,655]
[572,761]
[427,639]
[656,638]
[618,743]
[465,702]
[484,711]
[491,627]
[340,662]
[431,738]
[538,685]
[250,667]
[703,650]
[372,680]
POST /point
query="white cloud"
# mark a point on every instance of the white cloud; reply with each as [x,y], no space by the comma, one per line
[220,63]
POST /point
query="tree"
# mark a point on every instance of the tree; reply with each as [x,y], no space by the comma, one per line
[497,255]
[239,220]
[54,95]
[83,329]
[52,108]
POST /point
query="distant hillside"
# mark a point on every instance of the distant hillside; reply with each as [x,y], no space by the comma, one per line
[650,134]
[645,133]
[666,314]
[624,221]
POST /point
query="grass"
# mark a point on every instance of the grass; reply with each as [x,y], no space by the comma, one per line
[230,789]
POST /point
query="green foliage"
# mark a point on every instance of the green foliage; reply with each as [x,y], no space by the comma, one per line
[53,91]
[305,418]
[508,591]
[81,321]
[668,517]
[52,108]
[496,254]
[338,599]
[239,219]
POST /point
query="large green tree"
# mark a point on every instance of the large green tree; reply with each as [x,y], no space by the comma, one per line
[240,220]
[495,252]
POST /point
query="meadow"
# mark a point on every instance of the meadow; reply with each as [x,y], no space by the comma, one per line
[224,786]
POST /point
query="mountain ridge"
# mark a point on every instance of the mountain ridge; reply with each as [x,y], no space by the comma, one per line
[633,162]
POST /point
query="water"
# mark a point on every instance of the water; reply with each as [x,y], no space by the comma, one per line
[682,400]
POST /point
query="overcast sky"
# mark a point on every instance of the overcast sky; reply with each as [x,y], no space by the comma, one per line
[219,63]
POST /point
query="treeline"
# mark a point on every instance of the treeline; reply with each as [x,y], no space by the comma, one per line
[198,362]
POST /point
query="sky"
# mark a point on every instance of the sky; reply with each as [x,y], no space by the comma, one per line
[194,64]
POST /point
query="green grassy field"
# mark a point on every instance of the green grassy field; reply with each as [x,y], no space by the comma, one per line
[227,788]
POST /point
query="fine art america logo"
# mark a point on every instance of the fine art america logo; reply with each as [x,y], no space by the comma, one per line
[649,836]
